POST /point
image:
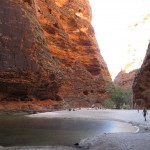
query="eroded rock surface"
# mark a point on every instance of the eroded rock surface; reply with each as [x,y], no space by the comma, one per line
[141,86]
[48,51]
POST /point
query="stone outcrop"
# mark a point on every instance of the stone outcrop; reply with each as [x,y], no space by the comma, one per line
[125,80]
[141,85]
[48,51]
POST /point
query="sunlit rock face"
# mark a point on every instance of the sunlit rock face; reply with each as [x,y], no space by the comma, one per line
[125,80]
[141,85]
[48,51]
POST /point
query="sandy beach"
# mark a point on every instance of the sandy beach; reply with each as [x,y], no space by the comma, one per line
[113,141]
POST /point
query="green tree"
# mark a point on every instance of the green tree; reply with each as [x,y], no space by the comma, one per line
[118,95]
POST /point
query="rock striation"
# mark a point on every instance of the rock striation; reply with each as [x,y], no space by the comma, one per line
[141,85]
[48,52]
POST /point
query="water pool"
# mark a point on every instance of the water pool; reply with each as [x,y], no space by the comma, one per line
[24,131]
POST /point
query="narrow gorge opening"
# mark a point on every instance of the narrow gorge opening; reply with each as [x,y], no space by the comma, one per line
[122,29]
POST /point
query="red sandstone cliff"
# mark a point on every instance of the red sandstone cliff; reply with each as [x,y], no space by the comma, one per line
[141,85]
[48,52]
[125,80]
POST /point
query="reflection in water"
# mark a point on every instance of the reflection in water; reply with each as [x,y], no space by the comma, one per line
[42,131]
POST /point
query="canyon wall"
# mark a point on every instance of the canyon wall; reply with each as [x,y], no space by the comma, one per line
[49,56]
[141,85]
[125,80]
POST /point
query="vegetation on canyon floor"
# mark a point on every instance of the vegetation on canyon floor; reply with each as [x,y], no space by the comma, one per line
[117,97]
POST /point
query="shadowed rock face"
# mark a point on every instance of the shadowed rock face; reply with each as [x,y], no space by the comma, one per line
[141,86]
[48,51]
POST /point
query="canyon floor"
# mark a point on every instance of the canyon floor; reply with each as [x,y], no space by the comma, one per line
[114,141]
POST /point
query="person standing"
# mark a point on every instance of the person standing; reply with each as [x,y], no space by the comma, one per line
[145,113]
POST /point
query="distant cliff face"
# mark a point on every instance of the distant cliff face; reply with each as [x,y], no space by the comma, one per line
[141,86]
[125,80]
[48,52]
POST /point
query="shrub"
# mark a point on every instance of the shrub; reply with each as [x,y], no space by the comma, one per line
[108,103]
[118,95]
